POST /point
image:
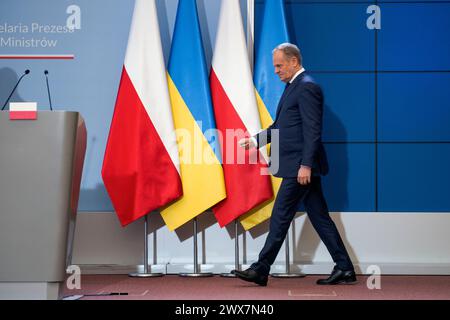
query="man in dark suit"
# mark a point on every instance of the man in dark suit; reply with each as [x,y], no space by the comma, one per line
[302,162]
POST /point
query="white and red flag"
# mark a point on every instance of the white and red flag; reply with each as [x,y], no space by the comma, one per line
[23,111]
[141,164]
[236,110]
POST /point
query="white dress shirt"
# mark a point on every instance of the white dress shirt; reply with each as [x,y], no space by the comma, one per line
[299,72]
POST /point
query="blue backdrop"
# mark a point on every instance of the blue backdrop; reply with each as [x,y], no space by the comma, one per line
[387,113]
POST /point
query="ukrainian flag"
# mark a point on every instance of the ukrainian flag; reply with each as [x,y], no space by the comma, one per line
[268,86]
[200,160]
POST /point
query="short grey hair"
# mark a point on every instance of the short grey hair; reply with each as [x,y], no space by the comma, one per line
[290,50]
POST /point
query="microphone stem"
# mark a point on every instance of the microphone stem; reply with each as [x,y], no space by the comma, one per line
[6,102]
[48,91]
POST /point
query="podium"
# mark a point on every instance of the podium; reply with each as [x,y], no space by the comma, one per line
[41,163]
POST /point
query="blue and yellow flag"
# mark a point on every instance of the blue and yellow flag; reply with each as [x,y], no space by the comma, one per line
[200,159]
[269,88]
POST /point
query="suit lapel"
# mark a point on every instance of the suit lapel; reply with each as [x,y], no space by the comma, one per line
[286,93]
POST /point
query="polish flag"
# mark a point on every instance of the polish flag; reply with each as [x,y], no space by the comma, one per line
[235,108]
[141,165]
[22,110]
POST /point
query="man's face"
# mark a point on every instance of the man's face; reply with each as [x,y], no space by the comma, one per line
[284,68]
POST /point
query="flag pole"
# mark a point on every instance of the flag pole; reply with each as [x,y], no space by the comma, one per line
[236,252]
[287,273]
[250,31]
[196,273]
[146,273]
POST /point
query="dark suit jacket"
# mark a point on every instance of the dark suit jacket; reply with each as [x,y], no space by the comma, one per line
[299,121]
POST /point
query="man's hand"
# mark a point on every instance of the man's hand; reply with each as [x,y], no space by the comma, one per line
[247,143]
[304,175]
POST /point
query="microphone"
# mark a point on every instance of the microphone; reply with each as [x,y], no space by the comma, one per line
[20,79]
[48,90]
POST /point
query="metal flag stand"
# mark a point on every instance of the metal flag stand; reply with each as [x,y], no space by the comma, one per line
[236,252]
[196,273]
[146,273]
[288,273]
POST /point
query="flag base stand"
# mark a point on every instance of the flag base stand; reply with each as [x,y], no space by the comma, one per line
[196,273]
[146,273]
[228,275]
[236,252]
[288,273]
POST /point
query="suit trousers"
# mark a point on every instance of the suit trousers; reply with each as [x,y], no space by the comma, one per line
[288,199]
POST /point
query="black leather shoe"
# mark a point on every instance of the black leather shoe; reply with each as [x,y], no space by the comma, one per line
[339,277]
[251,275]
